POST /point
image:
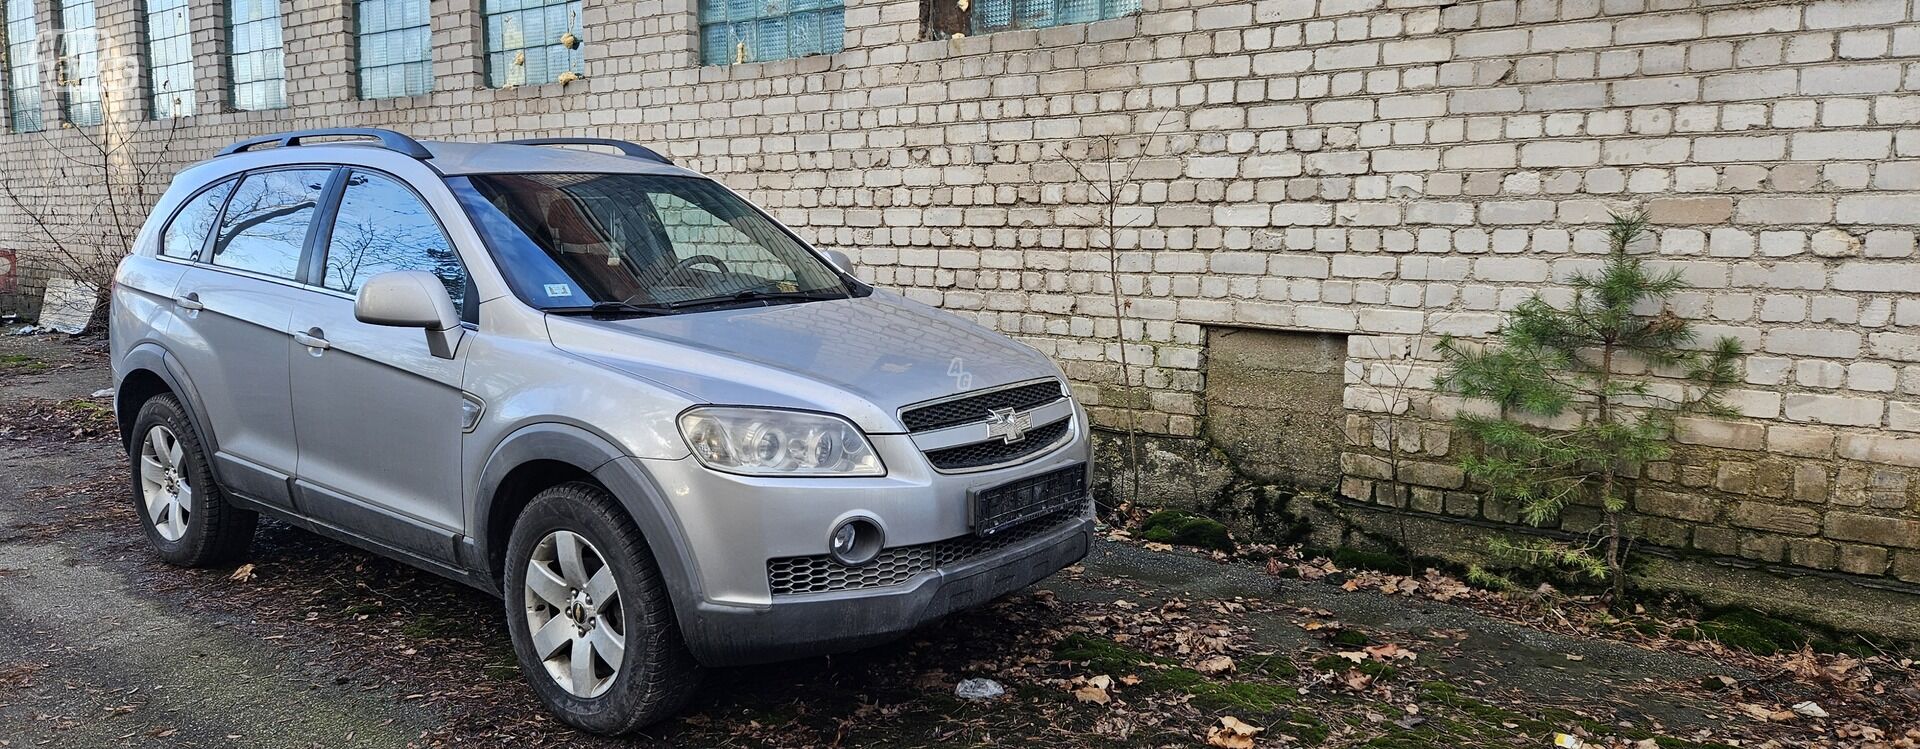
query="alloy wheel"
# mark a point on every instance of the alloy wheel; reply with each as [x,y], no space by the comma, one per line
[163,483]
[573,614]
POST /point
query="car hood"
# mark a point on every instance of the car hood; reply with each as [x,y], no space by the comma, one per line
[862,358]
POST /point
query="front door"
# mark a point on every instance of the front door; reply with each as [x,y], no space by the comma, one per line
[379,417]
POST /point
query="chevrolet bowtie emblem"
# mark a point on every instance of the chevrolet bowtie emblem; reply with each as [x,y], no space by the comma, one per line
[1010,427]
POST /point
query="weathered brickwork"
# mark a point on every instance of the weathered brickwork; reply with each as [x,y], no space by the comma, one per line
[1387,169]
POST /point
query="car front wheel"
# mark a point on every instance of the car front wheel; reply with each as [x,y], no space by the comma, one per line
[589,614]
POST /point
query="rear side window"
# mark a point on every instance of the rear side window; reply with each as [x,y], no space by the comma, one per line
[382,226]
[187,233]
[266,222]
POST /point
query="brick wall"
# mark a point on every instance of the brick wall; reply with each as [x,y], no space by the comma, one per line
[1386,169]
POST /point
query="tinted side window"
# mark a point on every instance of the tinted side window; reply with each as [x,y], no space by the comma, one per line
[266,222]
[383,226]
[187,233]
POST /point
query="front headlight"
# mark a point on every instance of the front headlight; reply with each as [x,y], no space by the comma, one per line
[765,442]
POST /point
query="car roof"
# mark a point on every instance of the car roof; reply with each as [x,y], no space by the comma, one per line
[450,158]
[457,158]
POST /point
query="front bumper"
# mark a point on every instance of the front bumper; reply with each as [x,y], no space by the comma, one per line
[813,624]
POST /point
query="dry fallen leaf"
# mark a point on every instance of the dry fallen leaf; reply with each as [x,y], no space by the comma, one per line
[1091,693]
[243,573]
[1232,733]
[1216,665]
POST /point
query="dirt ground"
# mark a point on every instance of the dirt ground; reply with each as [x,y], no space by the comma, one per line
[320,645]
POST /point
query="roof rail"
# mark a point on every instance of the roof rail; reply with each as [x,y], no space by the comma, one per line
[389,140]
[634,150]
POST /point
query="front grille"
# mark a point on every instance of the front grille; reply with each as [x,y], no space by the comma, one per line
[995,452]
[820,574]
[975,408]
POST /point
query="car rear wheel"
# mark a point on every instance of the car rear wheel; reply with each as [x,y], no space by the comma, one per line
[589,614]
[188,519]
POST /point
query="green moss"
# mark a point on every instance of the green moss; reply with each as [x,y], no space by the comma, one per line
[1103,656]
[1359,559]
[1750,631]
[1348,637]
[1375,669]
[1186,529]
[1272,666]
[1248,696]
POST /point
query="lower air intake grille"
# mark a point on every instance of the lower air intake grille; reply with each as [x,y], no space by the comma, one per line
[820,574]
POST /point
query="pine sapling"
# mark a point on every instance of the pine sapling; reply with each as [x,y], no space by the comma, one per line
[1586,396]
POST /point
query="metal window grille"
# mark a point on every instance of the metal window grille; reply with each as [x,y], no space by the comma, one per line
[530,42]
[396,48]
[170,54]
[254,44]
[79,65]
[1001,15]
[737,31]
[23,67]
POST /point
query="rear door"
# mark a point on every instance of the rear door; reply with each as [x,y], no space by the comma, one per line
[232,332]
[379,417]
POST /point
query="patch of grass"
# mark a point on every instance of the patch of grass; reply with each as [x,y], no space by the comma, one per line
[22,363]
[1186,529]
[86,408]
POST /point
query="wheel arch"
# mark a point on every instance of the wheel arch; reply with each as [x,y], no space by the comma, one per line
[149,370]
[538,456]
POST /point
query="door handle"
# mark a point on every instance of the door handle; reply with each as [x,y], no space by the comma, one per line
[189,300]
[312,339]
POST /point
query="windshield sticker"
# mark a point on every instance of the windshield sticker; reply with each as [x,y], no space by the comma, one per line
[559,290]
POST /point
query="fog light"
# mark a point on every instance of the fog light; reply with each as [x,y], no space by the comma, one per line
[855,542]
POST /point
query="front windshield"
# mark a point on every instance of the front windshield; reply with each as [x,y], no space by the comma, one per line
[573,241]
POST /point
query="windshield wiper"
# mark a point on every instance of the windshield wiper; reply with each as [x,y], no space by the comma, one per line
[753,295]
[614,308]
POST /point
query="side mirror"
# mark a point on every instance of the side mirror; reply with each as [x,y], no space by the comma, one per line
[840,260]
[411,299]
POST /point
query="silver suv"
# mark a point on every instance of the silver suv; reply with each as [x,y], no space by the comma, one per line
[663,428]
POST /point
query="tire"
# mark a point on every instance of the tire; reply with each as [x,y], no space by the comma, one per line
[196,526]
[656,676]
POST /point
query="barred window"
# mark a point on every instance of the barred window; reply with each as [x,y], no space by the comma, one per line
[737,31]
[170,54]
[23,67]
[79,63]
[396,48]
[945,18]
[532,41]
[253,43]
